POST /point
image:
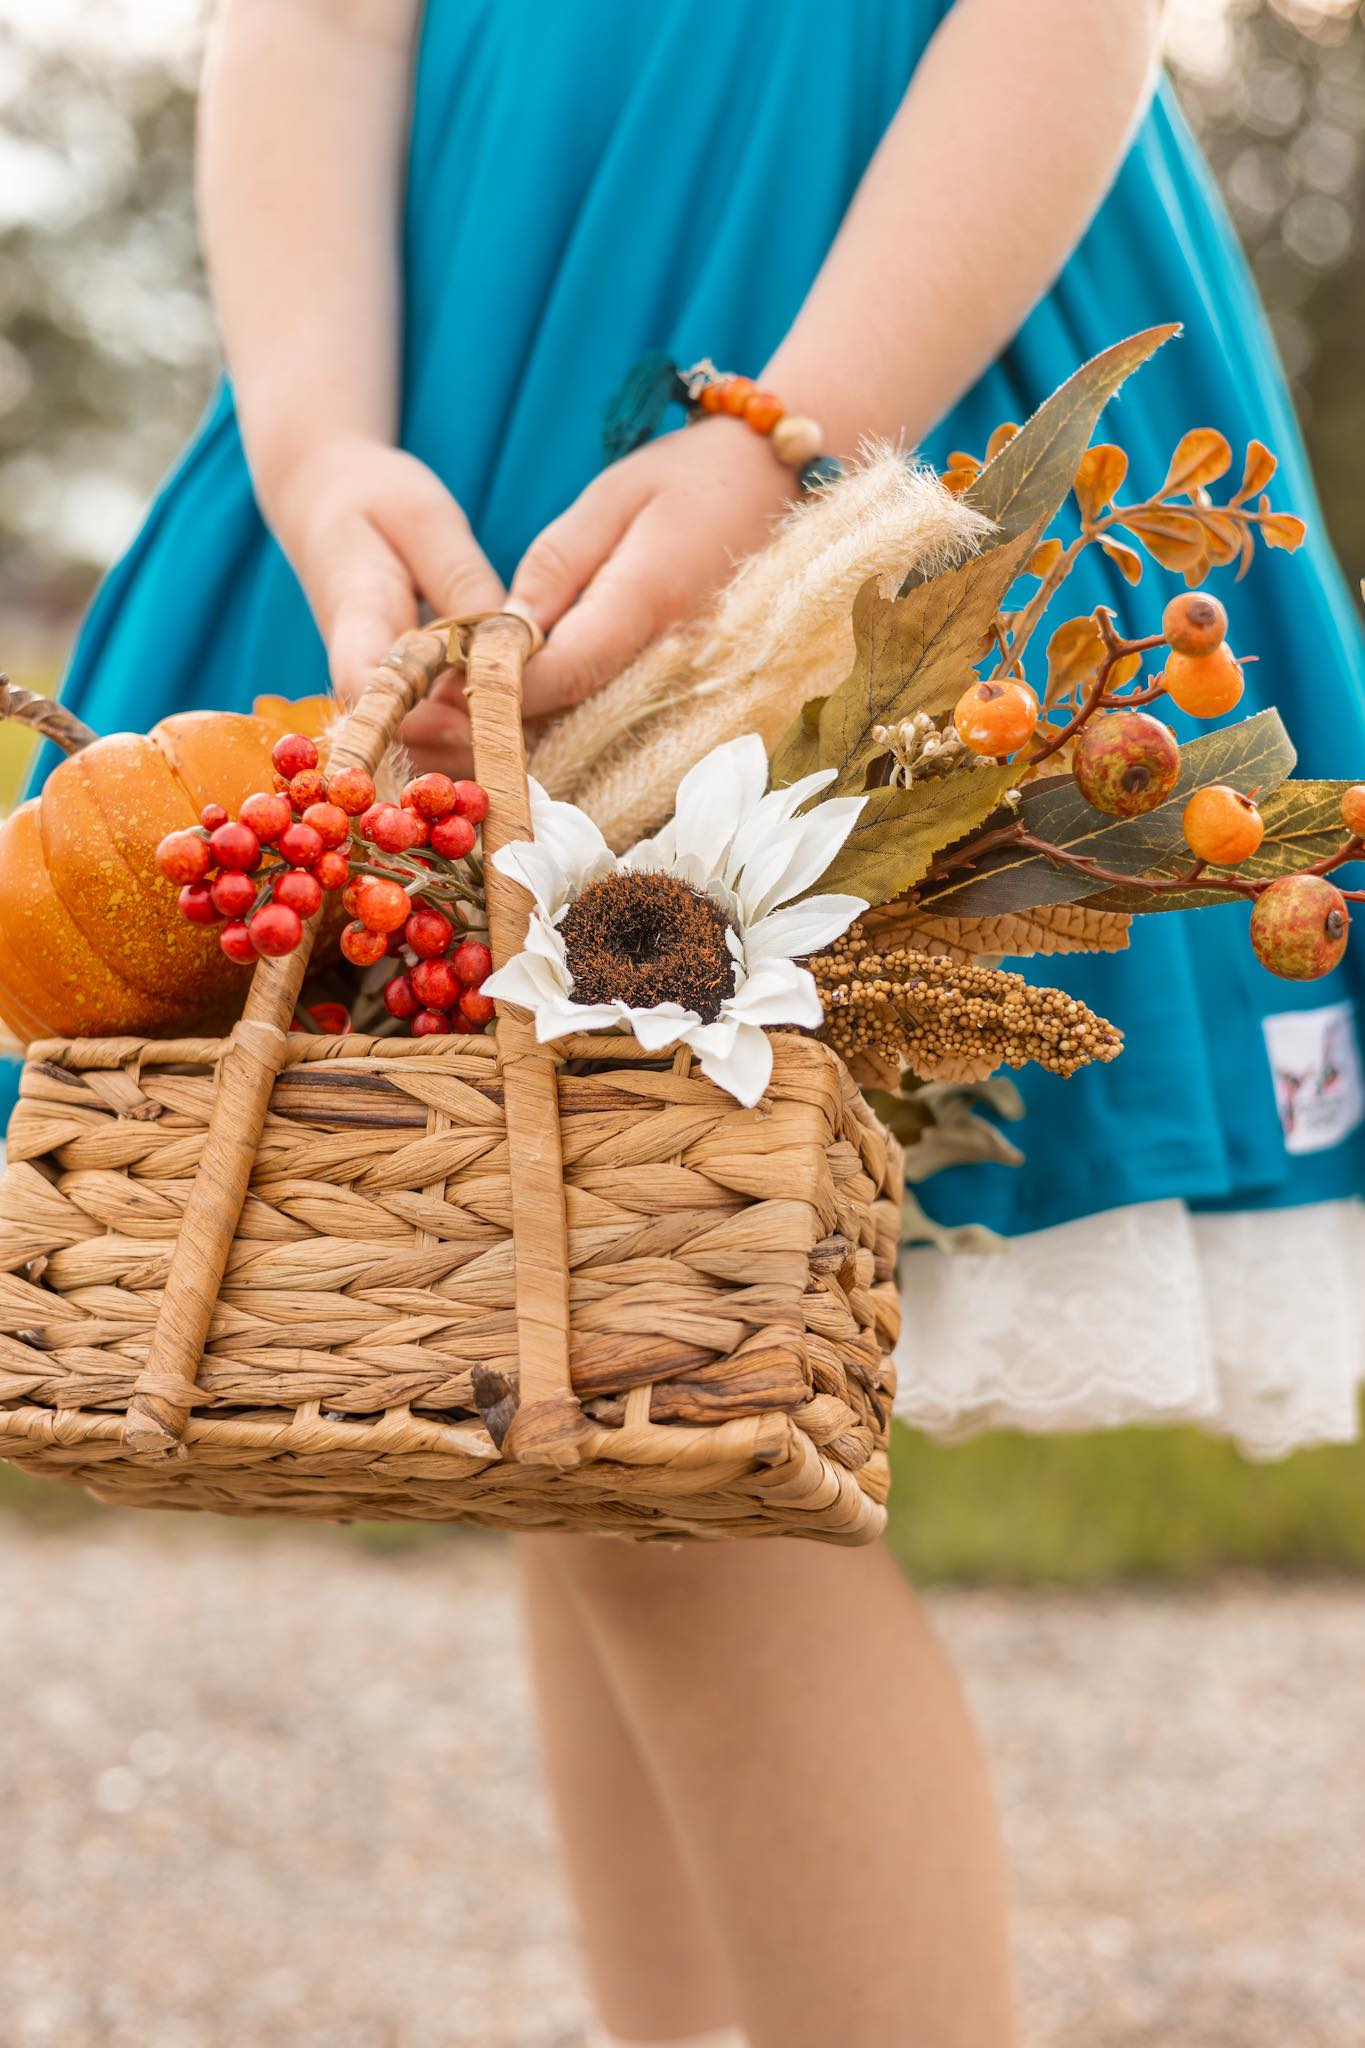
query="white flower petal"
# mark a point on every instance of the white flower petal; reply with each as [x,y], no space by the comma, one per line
[716,796]
[745,1070]
[570,834]
[557,1018]
[771,814]
[661,1025]
[818,838]
[800,929]
[537,869]
[523,980]
[779,993]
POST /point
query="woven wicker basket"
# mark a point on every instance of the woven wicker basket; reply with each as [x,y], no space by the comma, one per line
[451,1278]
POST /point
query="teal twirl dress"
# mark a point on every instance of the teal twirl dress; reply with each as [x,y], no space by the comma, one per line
[596,179]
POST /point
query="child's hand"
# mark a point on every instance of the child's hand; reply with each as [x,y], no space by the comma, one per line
[371,532]
[646,544]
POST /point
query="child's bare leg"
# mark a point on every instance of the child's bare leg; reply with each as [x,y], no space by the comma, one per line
[655,1965]
[812,1753]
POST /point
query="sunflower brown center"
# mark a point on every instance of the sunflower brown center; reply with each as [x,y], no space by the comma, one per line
[648,938]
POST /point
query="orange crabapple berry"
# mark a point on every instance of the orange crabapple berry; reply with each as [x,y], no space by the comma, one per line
[453,837]
[1204,685]
[331,870]
[300,845]
[431,796]
[302,892]
[293,755]
[436,984]
[996,717]
[330,822]
[275,930]
[235,846]
[471,801]
[184,857]
[309,786]
[382,906]
[1353,810]
[429,1023]
[361,946]
[428,933]
[268,814]
[212,816]
[195,903]
[476,1009]
[400,998]
[351,790]
[1194,623]
[1126,763]
[1299,927]
[472,961]
[235,941]
[1222,825]
[233,894]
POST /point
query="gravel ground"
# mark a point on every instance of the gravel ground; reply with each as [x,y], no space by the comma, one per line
[212,1838]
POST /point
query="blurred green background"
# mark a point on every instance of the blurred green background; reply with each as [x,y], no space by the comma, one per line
[107,350]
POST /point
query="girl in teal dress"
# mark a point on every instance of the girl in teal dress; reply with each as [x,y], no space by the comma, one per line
[912,217]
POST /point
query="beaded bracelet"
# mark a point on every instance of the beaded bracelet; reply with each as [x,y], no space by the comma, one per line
[635,414]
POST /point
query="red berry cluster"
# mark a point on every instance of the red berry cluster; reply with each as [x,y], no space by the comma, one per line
[260,875]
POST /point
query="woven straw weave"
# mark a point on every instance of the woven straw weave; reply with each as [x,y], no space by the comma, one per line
[450,1279]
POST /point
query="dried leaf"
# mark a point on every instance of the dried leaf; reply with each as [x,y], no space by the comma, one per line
[1074,654]
[900,831]
[1045,558]
[1201,458]
[959,459]
[1027,481]
[912,653]
[1283,530]
[1051,928]
[1001,438]
[1254,754]
[1260,466]
[958,481]
[1099,479]
[1126,559]
[1175,539]
[1123,671]
[1302,825]
[1223,536]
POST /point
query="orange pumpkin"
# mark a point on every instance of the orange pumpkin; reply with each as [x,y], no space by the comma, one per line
[91,941]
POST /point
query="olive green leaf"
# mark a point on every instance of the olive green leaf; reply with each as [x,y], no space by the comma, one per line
[1025,484]
[1254,754]
[900,831]
[914,653]
[798,751]
[1302,825]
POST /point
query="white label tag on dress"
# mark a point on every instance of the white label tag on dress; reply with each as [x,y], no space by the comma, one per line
[1315,1058]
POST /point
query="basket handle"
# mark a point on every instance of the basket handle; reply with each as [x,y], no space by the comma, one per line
[549,1422]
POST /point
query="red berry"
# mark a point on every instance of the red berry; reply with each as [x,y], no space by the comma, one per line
[471,801]
[453,837]
[476,1009]
[428,933]
[212,816]
[333,1018]
[266,814]
[436,984]
[293,754]
[233,894]
[400,998]
[367,818]
[302,892]
[363,947]
[332,870]
[386,826]
[431,796]
[196,903]
[427,1022]
[330,822]
[235,847]
[397,945]
[280,782]
[275,930]
[350,895]
[308,787]
[351,790]
[382,906]
[235,941]
[417,832]
[184,857]
[300,845]
[473,962]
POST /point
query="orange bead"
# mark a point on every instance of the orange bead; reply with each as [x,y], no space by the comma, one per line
[713,396]
[735,395]
[762,411]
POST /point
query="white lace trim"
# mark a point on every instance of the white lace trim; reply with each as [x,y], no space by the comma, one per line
[1250,1325]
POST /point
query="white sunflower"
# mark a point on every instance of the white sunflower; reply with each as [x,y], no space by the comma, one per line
[692,937]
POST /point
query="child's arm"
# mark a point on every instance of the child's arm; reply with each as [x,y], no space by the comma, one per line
[1007,140]
[303,139]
